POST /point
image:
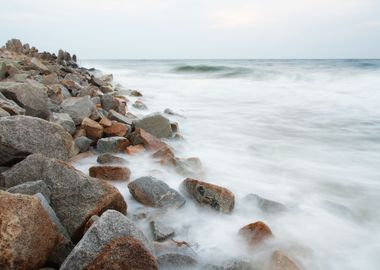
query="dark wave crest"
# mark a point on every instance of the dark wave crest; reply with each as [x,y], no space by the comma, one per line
[223,71]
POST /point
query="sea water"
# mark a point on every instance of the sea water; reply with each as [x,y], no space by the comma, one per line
[305,133]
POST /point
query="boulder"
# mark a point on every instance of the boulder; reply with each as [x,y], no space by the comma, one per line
[32,188]
[10,106]
[188,167]
[116,129]
[135,149]
[110,172]
[27,234]
[72,85]
[38,65]
[64,120]
[279,261]
[152,143]
[21,136]
[105,122]
[93,129]
[31,95]
[49,79]
[218,198]
[75,197]
[110,102]
[79,108]
[112,144]
[153,192]
[256,233]
[265,205]
[160,231]
[110,159]
[156,124]
[83,143]
[112,242]
[175,255]
[125,119]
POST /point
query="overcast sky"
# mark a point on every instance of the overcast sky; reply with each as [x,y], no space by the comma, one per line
[145,29]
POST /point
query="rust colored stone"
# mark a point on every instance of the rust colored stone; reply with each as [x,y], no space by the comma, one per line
[105,122]
[116,129]
[93,129]
[135,149]
[279,261]
[148,140]
[79,133]
[256,233]
[110,172]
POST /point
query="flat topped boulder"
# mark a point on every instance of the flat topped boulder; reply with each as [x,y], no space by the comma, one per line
[21,136]
[27,234]
[153,192]
[79,108]
[155,124]
[112,242]
[75,197]
[218,198]
[110,172]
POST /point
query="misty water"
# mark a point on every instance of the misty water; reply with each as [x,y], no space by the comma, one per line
[305,133]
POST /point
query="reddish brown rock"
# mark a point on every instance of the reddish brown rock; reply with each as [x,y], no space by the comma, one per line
[166,155]
[174,127]
[279,261]
[50,79]
[105,122]
[79,133]
[27,235]
[110,172]
[256,233]
[135,149]
[93,129]
[148,140]
[116,129]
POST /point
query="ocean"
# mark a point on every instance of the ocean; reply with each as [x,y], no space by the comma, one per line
[305,133]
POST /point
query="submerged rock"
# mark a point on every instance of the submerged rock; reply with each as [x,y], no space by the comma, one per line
[156,124]
[279,261]
[256,233]
[135,149]
[217,197]
[175,255]
[112,242]
[110,159]
[27,234]
[153,192]
[140,105]
[263,204]
[110,172]
[160,231]
[21,136]
[32,188]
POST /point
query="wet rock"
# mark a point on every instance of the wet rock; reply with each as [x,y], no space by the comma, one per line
[112,242]
[216,197]
[279,261]
[64,120]
[134,93]
[171,255]
[174,127]
[83,143]
[153,192]
[93,129]
[171,112]
[256,233]
[24,135]
[139,105]
[188,167]
[140,136]
[113,115]
[233,264]
[26,232]
[110,172]
[32,96]
[110,159]
[106,89]
[155,124]
[10,106]
[63,245]
[166,155]
[160,231]
[79,108]
[263,204]
[32,188]
[116,129]
[135,149]
[75,197]
[112,144]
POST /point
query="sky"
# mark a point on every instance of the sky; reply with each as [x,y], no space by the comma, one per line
[196,29]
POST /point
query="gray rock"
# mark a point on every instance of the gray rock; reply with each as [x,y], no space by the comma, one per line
[79,108]
[189,167]
[112,144]
[156,124]
[153,192]
[126,119]
[110,159]
[32,188]
[64,245]
[160,231]
[3,70]
[64,120]
[96,100]
[110,103]
[32,96]
[75,197]
[173,256]
[83,143]
[263,204]
[10,106]
[4,113]
[110,226]
[232,264]
[24,135]
[139,105]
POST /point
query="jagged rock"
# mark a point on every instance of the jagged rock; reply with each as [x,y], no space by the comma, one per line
[112,242]
[93,129]
[83,143]
[14,45]
[140,136]
[112,144]
[26,232]
[61,56]
[153,192]
[110,172]
[10,106]
[64,120]
[38,65]
[79,108]
[171,255]
[4,112]
[32,188]
[112,103]
[155,124]
[216,197]
[279,261]
[50,79]
[75,197]
[263,204]
[90,222]
[72,85]
[116,129]
[110,159]
[24,135]
[113,115]
[32,96]
[106,89]
[160,231]
[256,233]
[135,149]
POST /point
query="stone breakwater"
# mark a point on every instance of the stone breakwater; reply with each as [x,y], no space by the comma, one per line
[54,112]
